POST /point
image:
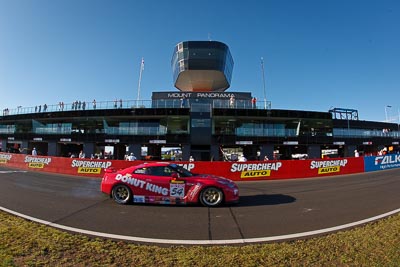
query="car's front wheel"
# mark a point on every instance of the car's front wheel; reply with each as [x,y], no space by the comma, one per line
[121,194]
[211,197]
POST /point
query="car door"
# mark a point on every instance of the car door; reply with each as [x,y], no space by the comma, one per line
[157,184]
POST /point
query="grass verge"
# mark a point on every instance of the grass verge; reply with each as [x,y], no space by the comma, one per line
[25,243]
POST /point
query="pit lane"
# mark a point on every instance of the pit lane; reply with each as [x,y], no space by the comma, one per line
[268,210]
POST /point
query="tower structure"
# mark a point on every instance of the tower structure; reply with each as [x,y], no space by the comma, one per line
[202,66]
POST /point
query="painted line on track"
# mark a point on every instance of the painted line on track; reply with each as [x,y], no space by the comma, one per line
[13,171]
[202,242]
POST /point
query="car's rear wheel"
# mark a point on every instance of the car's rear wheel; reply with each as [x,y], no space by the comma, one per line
[211,197]
[121,194]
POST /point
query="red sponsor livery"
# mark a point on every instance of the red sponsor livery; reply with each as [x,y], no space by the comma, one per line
[166,183]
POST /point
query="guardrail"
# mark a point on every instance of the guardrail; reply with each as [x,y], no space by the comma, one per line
[116,104]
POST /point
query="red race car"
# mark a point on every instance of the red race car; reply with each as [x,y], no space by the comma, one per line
[166,183]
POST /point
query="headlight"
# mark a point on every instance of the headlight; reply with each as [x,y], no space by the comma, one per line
[227,183]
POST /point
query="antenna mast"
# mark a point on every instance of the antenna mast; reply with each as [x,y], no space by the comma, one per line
[140,80]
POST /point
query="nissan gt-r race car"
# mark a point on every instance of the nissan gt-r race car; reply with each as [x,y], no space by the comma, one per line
[166,183]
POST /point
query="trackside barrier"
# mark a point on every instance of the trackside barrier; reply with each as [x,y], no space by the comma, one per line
[238,171]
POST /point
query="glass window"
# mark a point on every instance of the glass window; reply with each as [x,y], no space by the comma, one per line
[201,123]
[159,171]
[141,171]
[177,125]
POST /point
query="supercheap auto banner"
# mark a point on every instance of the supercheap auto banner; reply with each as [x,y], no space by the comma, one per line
[81,167]
[238,171]
[285,169]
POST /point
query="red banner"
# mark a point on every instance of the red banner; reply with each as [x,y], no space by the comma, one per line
[283,169]
[237,171]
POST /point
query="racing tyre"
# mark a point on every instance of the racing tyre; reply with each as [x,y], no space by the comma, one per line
[211,197]
[121,194]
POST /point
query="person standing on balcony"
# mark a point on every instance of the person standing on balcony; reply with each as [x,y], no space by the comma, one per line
[183,101]
[232,101]
[254,102]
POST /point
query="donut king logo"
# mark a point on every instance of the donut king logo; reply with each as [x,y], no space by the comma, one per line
[4,158]
[128,179]
[329,166]
[255,170]
[37,163]
[88,166]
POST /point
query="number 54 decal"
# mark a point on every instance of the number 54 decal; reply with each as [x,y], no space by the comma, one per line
[177,190]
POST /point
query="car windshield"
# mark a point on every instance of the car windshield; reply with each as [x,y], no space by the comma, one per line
[182,171]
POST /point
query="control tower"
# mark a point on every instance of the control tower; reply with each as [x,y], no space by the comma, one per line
[202,66]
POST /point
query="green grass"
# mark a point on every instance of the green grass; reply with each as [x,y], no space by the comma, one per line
[25,243]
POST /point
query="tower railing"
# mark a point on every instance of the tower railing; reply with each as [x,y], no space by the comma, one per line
[131,104]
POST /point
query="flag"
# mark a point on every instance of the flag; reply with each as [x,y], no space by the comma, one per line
[298,129]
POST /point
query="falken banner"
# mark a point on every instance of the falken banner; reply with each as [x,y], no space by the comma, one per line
[384,162]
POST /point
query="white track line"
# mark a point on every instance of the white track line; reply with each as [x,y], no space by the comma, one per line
[202,242]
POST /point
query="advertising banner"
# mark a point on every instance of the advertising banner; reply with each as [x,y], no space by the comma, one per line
[71,166]
[384,162]
[238,171]
[282,169]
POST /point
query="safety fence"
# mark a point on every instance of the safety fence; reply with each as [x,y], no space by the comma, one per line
[237,171]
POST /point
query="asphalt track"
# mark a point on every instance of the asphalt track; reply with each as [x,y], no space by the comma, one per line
[268,210]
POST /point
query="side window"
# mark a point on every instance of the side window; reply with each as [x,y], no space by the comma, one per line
[156,171]
[141,171]
[159,171]
[167,171]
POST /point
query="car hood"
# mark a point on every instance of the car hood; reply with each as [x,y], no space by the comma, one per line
[213,177]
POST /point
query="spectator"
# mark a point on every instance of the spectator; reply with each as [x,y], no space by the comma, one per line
[131,157]
[34,152]
[94,103]
[183,101]
[232,101]
[254,102]
[242,158]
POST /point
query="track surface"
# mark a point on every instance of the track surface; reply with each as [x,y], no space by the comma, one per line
[266,209]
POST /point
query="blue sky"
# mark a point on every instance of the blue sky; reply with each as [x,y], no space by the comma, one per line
[318,54]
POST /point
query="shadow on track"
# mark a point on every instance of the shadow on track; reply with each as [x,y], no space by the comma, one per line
[262,200]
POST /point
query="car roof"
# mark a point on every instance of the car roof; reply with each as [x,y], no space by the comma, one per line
[152,164]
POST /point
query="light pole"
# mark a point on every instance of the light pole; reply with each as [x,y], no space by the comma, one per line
[398,121]
[386,112]
[263,76]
